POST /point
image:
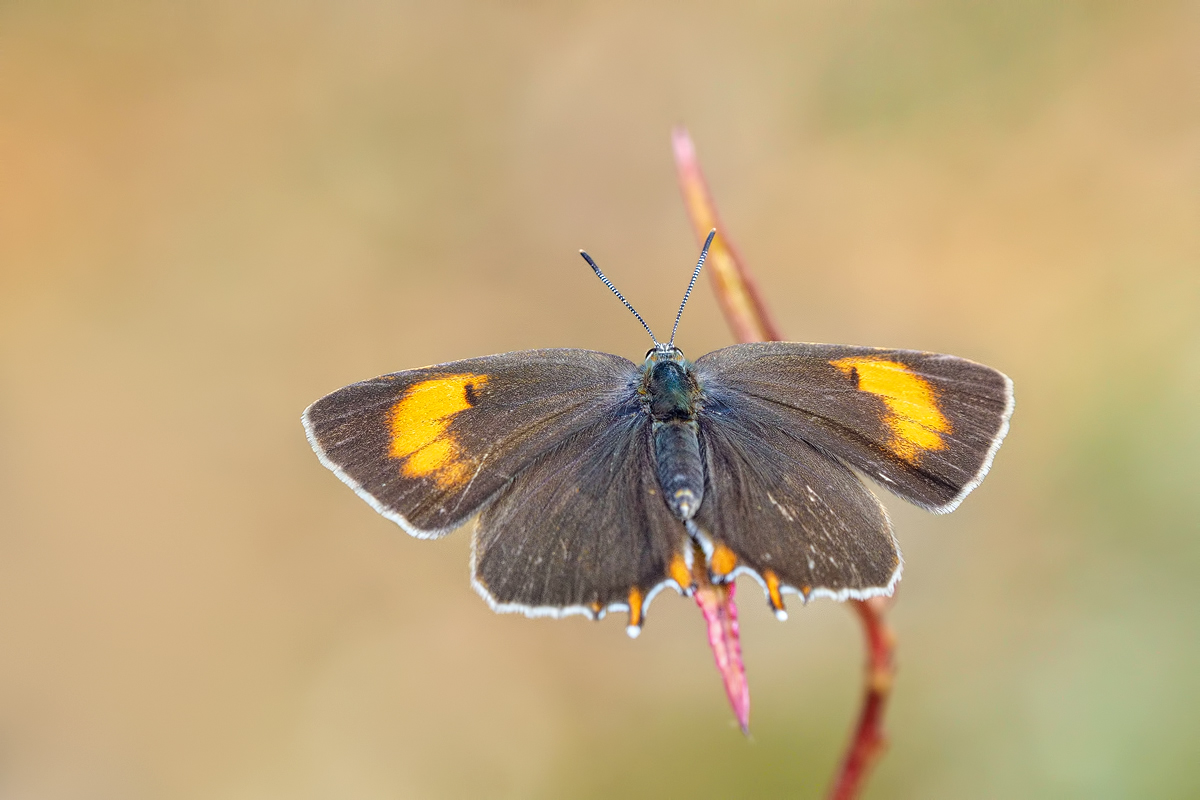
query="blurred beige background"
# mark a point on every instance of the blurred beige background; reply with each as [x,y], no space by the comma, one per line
[212,213]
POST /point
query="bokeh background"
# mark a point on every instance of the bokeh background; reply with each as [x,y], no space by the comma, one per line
[214,212]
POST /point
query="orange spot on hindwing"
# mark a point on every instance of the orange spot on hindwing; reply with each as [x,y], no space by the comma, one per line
[913,415]
[635,608]
[679,572]
[723,560]
[773,594]
[420,421]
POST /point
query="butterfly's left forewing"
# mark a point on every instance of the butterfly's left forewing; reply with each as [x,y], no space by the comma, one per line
[554,447]
[429,447]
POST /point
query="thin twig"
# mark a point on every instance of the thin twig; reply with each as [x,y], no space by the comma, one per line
[736,290]
[720,617]
[748,318]
[869,739]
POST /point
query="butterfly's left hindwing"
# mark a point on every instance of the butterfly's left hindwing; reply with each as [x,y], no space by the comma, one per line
[584,529]
[428,447]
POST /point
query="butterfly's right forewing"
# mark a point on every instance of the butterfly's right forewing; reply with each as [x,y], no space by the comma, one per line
[924,425]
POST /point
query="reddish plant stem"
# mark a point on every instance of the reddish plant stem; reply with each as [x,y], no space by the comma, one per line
[720,615]
[737,292]
[869,740]
[748,318]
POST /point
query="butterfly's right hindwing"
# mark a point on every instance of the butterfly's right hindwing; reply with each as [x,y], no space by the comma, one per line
[428,447]
[797,519]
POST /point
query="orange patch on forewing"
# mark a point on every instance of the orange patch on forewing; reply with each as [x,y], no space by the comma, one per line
[679,572]
[913,414]
[635,607]
[419,428]
[723,560]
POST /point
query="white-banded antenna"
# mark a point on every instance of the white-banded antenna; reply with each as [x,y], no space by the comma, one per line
[621,297]
[688,293]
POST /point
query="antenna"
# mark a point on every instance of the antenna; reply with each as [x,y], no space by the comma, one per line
[688,293]
[621,297]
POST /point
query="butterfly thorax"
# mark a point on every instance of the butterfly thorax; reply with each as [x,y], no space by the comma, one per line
[670,389]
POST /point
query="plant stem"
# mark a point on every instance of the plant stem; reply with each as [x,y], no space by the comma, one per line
[869,740]
[720,615]
[736,289]
[750,321]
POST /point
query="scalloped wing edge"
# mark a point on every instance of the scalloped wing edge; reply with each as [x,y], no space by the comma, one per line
[561,612]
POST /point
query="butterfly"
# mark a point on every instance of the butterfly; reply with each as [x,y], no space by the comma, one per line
[598,481]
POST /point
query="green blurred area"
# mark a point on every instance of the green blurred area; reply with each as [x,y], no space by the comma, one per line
[213,213]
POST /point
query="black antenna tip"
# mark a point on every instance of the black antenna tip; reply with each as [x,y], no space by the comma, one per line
[620,296]
[692,284]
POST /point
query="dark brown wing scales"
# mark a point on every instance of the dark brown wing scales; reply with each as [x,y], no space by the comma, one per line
[428,447]
[584,530]
[554,445]
[557,447]
[924,425]
[780,508]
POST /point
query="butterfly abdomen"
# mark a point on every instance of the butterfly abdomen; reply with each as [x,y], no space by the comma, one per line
[680,469]
[671,391]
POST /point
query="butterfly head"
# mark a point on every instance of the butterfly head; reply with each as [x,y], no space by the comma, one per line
[664,352]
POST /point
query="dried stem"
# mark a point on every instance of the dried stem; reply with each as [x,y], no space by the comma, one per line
[750,321]
[736,290]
